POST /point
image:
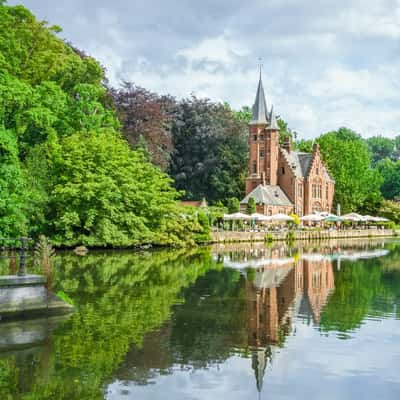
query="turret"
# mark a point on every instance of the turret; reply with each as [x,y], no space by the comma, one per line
[263,143]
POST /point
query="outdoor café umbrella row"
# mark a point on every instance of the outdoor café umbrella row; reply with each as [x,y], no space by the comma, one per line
[258,217]
[352,217]
[315,217]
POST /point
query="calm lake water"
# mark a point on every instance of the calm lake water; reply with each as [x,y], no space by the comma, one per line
[234,322]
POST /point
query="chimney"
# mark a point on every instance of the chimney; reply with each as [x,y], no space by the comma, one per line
[287,143]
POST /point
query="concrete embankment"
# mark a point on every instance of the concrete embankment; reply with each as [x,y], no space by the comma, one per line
[27,295]
[230,236]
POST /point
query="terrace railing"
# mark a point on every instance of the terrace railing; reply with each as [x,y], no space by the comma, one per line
[5,244]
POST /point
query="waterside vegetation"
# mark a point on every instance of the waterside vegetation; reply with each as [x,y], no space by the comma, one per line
[88,164]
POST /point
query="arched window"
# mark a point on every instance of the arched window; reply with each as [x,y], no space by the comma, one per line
[316,207]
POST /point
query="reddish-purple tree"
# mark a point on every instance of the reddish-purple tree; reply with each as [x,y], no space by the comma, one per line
[146,115]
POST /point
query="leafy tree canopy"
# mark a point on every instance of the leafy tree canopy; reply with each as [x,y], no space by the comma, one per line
[146,118]
[390,171]
[347,157]
[210,150]
[65,169]
[251,206]
[382,147]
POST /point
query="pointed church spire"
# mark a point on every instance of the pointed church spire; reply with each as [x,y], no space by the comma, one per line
[272,120]
[259,363]
[260,112]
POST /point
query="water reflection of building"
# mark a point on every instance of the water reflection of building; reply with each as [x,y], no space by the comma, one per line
[254,303]
[278,292]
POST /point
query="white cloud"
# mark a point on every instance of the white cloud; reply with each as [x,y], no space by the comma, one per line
[370,85]
[378,18]
[220,49]
[326,64]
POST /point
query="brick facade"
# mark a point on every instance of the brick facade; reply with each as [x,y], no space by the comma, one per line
[303,177]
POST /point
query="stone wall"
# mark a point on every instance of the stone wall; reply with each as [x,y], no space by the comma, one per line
[27,294]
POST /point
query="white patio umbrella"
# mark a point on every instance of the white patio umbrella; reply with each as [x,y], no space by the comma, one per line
[312,218]
[352,217]
[238,216]
[369,218]
[281,217]
[381,219]
[260,217]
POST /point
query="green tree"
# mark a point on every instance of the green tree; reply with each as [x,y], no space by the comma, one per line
[348,159]
[251,206]
[106,194]
[12,188]
[396,153]
[380,148]
[243,115]
[391,210]
[304,145]
[285,131]
[233,205]
[210,151]
[390,171]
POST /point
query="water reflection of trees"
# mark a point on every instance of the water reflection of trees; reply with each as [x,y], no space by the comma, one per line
[244,312]
[141,315]
[365,288]
[251,311]
[119,298]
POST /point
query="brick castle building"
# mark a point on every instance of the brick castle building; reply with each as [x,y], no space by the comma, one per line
[282,180]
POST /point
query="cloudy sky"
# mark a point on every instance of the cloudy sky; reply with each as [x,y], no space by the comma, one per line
[325,64]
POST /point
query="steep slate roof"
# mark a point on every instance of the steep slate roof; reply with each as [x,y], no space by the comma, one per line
[272,119]
[259,115]
[327,175]
[305,162]
[299,162]
[267,194]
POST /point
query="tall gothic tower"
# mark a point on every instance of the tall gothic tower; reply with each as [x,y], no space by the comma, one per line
[263,144]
